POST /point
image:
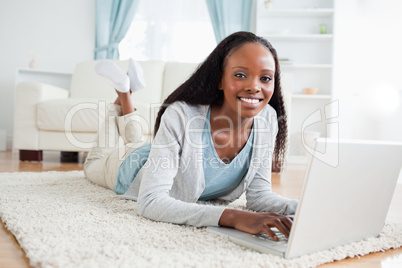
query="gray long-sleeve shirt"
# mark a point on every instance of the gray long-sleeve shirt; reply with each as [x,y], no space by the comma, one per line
[172,180]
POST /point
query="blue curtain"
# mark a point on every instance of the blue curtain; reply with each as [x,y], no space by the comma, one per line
[113,18]
[229,16]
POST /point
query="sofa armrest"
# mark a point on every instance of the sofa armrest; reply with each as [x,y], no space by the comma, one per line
[27,96]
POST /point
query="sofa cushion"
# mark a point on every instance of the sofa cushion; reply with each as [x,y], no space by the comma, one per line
[86,83]
[153,74]
[81,141]
[59,141]
[175,74]
[82,115]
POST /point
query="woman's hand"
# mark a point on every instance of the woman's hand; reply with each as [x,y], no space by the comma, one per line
[255,223]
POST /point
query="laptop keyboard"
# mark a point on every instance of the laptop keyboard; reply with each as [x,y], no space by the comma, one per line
[282,238]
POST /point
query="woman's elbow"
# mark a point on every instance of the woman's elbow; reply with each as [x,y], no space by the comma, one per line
[148,207]
[142,206]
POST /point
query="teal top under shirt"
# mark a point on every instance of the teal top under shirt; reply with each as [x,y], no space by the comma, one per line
[220,178]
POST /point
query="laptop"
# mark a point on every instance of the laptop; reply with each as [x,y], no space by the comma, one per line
[345,197]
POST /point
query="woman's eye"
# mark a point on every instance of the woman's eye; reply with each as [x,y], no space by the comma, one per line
[266,79]
[240,75]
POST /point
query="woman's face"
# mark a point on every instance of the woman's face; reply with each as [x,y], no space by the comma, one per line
[248,80]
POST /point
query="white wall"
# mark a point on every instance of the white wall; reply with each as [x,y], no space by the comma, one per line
[367,57]
[368,68]
[61,32]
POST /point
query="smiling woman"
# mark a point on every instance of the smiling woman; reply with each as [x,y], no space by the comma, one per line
[215,138]
[177,30]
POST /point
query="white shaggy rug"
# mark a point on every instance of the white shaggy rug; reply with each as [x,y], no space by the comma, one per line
[61,219]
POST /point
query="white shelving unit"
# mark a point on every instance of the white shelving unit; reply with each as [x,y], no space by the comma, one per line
[298,37]
[59,79]
[308,12]
[302,33]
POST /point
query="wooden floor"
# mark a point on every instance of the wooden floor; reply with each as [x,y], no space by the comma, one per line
[287,184]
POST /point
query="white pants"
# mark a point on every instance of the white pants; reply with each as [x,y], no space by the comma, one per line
[103,161]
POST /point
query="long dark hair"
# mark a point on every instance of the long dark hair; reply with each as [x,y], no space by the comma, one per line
[202,86]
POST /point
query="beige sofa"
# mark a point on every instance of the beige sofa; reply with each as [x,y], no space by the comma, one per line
[48,118]
[56,119]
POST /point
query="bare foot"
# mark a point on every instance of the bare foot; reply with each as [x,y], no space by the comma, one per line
[124,100]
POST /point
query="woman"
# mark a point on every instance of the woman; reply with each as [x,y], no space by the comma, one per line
[214,139]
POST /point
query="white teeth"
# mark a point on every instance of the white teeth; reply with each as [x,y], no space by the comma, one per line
[250,100]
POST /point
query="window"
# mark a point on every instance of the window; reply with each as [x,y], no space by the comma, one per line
[174,30]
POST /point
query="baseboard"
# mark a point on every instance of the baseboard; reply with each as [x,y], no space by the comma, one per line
[9,144]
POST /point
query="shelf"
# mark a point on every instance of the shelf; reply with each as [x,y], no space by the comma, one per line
[293,28]
[308,12]
[304,66]
[56,78]
[40,71]
[310,97]
[300,37]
